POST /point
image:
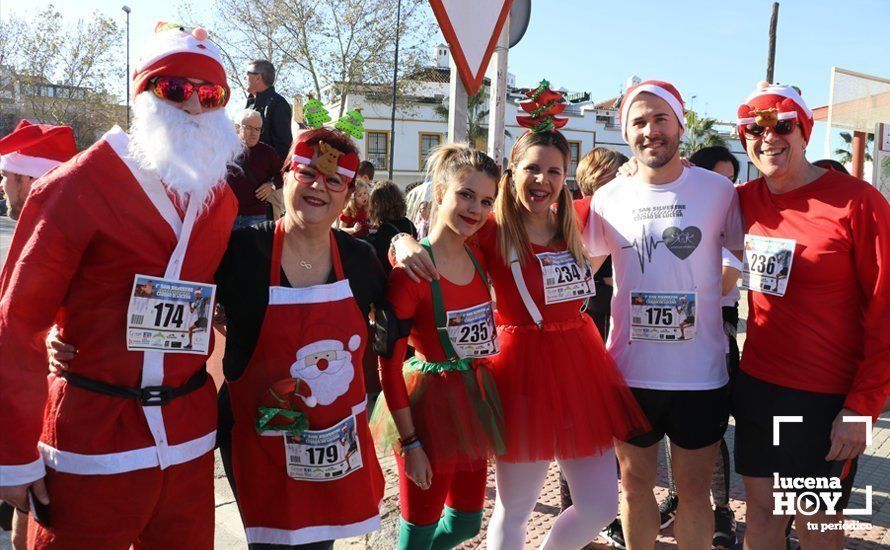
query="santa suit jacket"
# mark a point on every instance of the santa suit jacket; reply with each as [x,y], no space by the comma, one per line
[87,229]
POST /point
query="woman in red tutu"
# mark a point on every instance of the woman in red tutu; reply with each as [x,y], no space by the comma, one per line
[563,397]
[443,413]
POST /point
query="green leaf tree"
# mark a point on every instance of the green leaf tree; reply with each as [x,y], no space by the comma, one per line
[700,133]
[845,154]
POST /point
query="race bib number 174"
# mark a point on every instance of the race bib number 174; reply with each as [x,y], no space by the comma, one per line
[169,315]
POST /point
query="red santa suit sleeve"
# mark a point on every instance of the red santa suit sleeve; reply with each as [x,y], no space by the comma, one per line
[47,245]
[870,228]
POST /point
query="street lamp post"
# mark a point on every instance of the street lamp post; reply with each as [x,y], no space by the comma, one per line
[127,11]
[395,77]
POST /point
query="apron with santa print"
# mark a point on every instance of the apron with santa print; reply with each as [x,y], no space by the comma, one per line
[324,482]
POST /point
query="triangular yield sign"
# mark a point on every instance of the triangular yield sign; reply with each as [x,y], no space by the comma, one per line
[471,28]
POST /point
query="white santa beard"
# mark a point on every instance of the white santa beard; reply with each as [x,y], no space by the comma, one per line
[190,153]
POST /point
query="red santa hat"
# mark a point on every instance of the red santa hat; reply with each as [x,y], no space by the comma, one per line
[774,102]
[34,149]
[664,90]
[175,50]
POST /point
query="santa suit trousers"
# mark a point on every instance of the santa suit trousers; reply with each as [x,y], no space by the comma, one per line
[145,509]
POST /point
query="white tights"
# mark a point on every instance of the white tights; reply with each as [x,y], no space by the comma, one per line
[593,482]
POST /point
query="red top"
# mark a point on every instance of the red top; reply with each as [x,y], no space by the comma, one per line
[582,211]
[361,217]
[830,332]
[414,301]
[511,309]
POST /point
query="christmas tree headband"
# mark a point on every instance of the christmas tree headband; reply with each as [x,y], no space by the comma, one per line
[351,124]
[328,159]
[542,105]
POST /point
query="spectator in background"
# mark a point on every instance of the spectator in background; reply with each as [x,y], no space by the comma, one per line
[717,159]
[274,109]
[387,212]
[27,153]
[596,169]
[260,172]
[354,218]
[365,173]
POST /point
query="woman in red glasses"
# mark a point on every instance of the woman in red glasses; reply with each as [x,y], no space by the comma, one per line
[297,296]
[294,433]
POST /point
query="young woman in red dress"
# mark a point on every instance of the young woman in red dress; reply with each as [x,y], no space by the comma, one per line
[563,397]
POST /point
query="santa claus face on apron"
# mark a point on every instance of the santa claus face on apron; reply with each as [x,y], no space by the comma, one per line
[326,367]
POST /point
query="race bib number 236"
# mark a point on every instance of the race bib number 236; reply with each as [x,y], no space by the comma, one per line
[767,264]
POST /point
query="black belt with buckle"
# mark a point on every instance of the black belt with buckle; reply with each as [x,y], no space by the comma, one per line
[149,396]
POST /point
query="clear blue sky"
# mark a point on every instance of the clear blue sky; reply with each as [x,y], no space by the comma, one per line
[713,49]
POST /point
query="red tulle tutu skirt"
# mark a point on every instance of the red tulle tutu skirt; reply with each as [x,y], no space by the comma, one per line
[457,413]
[563,396]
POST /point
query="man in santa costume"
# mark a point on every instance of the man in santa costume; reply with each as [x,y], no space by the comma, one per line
[27,153]
[122,453]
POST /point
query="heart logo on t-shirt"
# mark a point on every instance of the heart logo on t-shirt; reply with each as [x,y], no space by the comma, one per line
[681,242]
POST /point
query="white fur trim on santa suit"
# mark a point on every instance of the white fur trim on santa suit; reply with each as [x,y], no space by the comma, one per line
[21,474]
[658,91]
[17,163]
[127,461]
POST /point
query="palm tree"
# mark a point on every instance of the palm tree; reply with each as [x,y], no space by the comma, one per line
[845,154]
[700,133]
[477,113]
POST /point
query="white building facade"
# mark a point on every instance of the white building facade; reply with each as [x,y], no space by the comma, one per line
[419,127]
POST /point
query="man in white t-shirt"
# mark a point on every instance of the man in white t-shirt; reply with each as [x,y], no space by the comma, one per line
[665,228]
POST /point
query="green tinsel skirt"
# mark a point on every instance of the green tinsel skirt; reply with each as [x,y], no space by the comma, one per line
[456,411]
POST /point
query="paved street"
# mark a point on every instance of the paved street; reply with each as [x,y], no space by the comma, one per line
[874,470]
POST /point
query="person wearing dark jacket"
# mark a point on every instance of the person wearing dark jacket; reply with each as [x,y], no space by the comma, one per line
[387,212]
[257,175]
[274,109]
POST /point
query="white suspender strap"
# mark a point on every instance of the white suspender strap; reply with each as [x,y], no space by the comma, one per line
[530,304]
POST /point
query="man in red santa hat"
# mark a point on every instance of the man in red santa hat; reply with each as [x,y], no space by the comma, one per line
[30,151]
[122,453]
[817,250]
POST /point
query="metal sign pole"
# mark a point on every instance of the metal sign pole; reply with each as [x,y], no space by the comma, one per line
[498,96]
[457,107]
